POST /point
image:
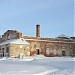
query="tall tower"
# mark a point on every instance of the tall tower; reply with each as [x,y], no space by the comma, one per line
[37,30]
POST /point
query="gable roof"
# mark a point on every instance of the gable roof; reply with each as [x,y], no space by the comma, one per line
[15,41]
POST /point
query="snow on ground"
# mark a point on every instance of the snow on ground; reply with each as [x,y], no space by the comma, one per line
[37,65]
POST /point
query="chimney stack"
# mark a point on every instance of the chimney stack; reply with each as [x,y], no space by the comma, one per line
[37,30]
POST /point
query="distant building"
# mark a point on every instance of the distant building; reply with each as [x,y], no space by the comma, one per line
[14,44]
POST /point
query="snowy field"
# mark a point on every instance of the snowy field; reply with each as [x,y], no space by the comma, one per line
[38,65]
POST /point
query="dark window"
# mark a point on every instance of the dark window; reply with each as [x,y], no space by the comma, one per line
[3,51]
[2,48]
[8,34]
[7,50]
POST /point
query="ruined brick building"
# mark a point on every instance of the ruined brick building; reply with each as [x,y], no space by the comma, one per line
[14,44]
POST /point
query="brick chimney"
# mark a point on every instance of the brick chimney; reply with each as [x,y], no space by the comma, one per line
[37,30]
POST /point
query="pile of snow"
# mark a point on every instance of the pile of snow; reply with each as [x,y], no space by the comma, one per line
[60,59]
[38,56]
[4,58]
[18,59]
[26,59]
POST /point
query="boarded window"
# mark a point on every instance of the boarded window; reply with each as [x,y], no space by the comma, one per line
[47,51]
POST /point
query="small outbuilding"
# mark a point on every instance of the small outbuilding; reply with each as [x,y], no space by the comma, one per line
[14,48]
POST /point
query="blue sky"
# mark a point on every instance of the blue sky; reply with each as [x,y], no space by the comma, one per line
[54,16]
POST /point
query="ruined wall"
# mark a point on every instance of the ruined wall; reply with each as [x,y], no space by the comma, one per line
[57,49]
[51,47]
[11,34]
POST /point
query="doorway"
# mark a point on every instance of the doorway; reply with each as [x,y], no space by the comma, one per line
[63,53]
[38,51]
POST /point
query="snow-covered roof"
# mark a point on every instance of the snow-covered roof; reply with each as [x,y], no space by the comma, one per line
[15,41]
